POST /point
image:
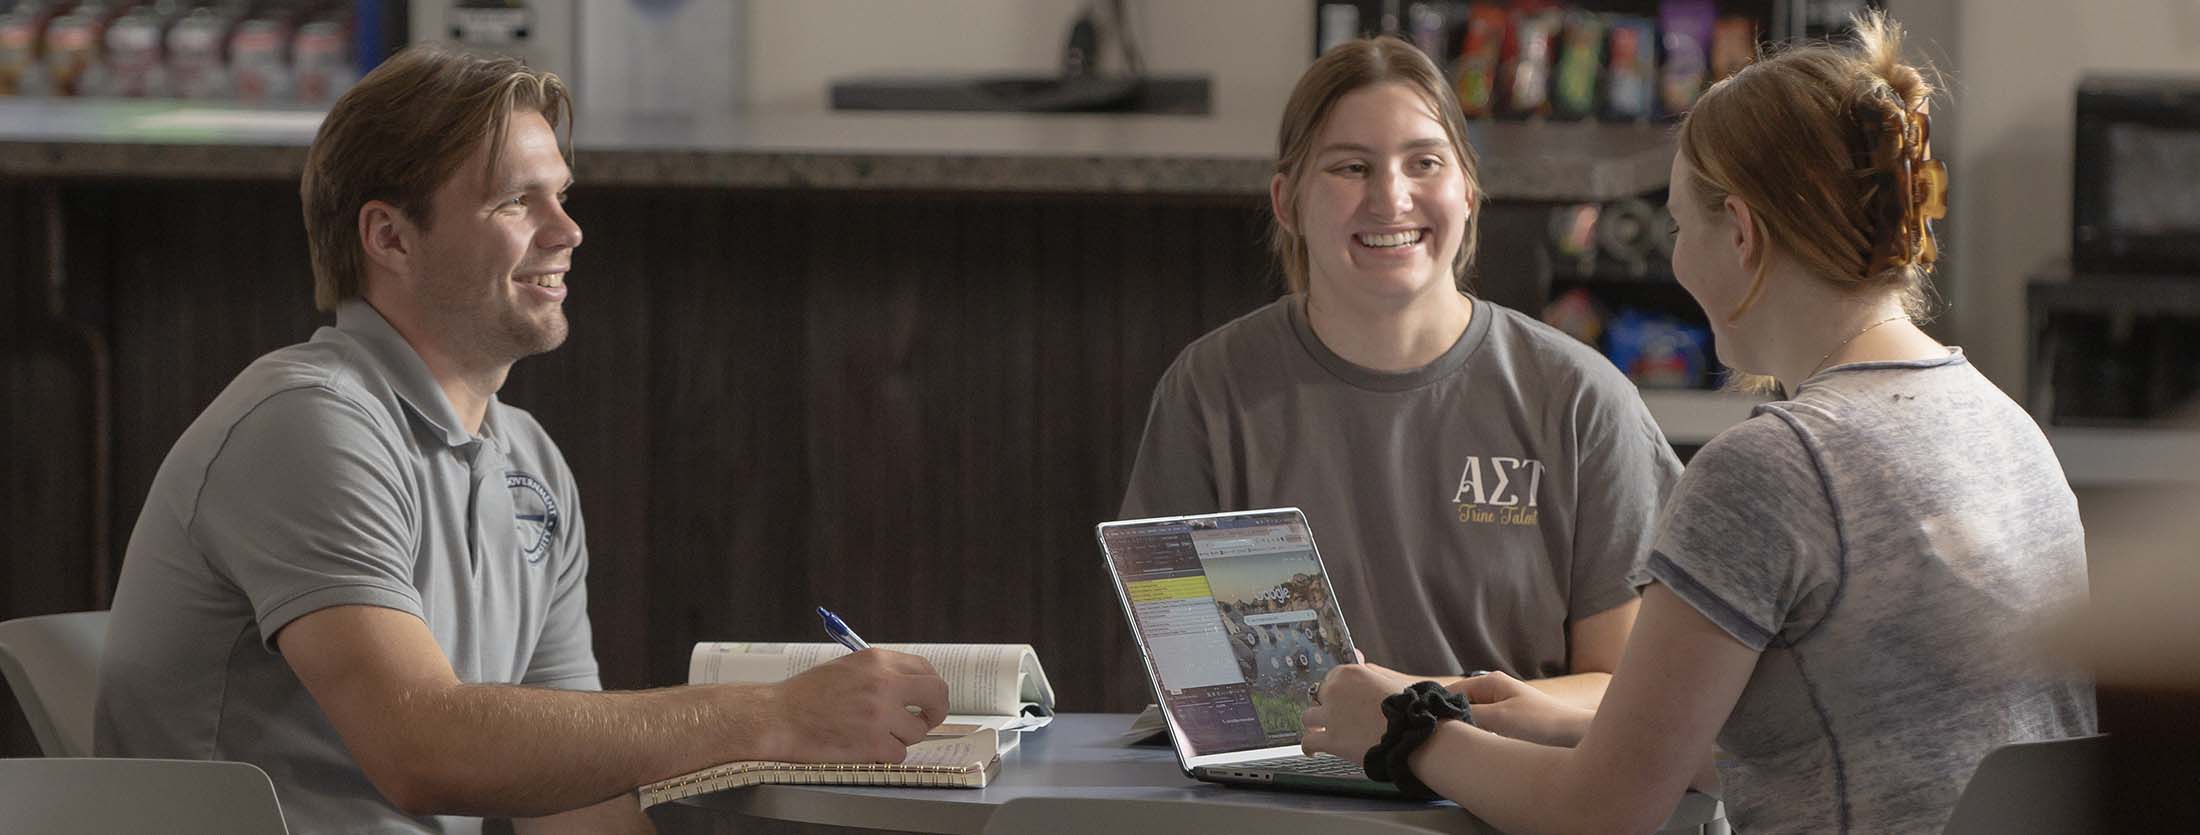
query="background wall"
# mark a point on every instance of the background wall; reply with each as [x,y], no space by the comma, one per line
[1252,49]
[2013,68]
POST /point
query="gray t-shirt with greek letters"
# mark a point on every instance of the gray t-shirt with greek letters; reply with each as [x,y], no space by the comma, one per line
[1467,511]
[1889,539]
[335,473]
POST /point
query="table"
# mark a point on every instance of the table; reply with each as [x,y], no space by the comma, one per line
[1080,755]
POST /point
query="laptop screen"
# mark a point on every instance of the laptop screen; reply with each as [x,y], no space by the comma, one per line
[1237,619]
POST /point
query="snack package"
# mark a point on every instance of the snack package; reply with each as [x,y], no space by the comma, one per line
[1624,232]
[1633,70]
[1478,59]
[1687,25]
[1576,313]
[1657,351]
[1534,29]
[1733,45]
[1581,51]
[1573,234]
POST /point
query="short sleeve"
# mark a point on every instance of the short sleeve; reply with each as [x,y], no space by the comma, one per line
[1174,474]
[305,507]
[565,655]
[1625,474]
[1750,538]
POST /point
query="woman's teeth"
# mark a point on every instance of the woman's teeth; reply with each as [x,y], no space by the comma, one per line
[551,280]
[1389,240]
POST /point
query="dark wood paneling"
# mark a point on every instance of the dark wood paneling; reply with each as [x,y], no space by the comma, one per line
[909,407]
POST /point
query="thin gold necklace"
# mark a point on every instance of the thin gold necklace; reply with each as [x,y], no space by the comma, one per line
[1845,343]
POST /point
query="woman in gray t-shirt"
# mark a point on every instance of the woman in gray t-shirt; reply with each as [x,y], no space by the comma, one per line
[1841,591]
[1480,484]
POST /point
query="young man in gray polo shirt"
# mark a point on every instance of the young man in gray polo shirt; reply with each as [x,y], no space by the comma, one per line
[349,559]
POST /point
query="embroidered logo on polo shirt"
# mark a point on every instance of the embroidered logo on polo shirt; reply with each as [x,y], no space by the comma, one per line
[1499,490]
[534,513]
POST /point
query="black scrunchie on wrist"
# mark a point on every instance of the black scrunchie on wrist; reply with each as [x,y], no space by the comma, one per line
[1414,715]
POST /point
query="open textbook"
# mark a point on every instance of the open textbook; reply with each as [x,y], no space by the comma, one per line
[989,686]
[968,761]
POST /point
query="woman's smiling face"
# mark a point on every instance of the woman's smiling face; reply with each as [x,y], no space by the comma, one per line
[1383,202]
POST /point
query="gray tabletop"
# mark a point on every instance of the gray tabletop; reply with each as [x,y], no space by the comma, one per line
[1082,756]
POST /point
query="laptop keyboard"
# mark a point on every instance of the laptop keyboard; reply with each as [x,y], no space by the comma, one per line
[1318,766]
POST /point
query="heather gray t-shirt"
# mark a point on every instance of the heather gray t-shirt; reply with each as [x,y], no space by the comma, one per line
[335,473]
[1888,539]
[1467,511]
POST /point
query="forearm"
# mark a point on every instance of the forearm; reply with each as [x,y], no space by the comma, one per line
[1520,786]
[529,751]
[1582,690]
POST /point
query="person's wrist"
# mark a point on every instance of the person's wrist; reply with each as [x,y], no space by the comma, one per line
[1414,716]
[759,721]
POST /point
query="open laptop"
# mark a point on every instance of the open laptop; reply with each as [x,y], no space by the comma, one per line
[1235,618]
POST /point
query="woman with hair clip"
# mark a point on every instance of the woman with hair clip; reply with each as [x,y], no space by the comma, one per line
[1842,590]
[1480,484]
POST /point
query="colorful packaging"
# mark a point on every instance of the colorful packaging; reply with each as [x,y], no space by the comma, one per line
[72,44]
[20,31]
[259,66]
[1534,32]
[1580,53]
[1573,234]
[1479,59]
[1658,351]
[1733,45]
[195,43]
[132,65]
[1576,313]
[1687,25]
[321,61]
[1633,69]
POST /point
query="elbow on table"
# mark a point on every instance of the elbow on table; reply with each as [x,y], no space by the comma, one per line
[419,783]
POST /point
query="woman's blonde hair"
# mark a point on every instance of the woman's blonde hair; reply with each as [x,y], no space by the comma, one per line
[1350,66]
[1827,145]
[398,135]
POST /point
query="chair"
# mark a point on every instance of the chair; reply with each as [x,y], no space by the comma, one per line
[1112,816]
[2034,787]
[52,665]
[66,795]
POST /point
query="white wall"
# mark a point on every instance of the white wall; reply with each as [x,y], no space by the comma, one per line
[2014,67]
[1252,49]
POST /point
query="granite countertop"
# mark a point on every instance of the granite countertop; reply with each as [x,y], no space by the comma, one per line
[1109,154]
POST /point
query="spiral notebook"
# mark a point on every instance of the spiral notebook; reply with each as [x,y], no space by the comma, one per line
[968,761]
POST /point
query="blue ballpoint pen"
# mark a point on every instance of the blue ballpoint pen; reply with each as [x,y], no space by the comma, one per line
[840,631]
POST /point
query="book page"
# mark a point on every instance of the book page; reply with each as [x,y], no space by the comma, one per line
[982,679]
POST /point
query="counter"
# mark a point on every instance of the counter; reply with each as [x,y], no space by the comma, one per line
[1119,154]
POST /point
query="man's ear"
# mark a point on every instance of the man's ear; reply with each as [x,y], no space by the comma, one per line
[387,236]
[1748,237]
[1279,201]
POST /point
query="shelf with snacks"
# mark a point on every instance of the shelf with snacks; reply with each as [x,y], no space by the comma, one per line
[1621,60]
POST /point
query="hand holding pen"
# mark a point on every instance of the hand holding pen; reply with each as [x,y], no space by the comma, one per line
[846,637]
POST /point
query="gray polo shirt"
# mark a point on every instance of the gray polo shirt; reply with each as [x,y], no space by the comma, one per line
[336,473]
[1468,511]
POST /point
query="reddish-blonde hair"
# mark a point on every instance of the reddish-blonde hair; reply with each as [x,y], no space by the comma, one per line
[1827,145]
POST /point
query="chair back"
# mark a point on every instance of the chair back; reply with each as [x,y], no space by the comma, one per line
[1112,816]
[52,666]
[68,795]
[2034,787]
